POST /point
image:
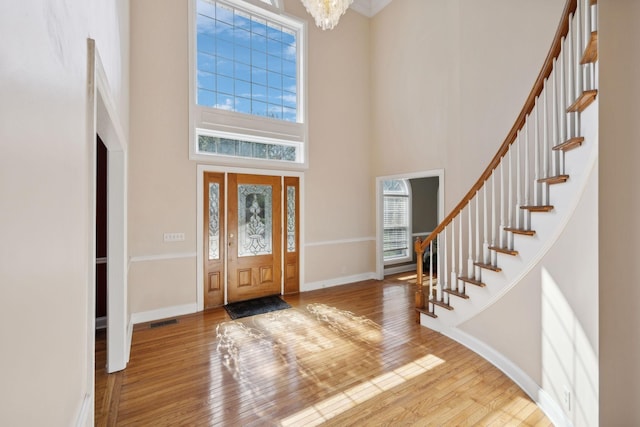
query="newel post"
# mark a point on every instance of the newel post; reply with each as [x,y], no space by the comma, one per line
[419,257]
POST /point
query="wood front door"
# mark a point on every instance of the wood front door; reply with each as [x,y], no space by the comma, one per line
[254,236]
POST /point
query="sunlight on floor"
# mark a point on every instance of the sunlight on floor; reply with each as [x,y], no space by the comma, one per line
[343,401]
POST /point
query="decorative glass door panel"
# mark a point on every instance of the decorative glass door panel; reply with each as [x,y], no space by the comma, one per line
[254,236]
[292,216]
[255,223]
[213,246]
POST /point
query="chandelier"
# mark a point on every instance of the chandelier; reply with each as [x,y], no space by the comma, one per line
[327,13]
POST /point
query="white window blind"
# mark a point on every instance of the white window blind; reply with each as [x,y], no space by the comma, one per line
[397,221]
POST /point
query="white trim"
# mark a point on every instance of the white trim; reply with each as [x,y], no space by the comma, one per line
[338,281]
[439,173]
[399,269]
[103,119]
[163,313]
[547,404]
[247,126]
[409,256]
[129,337]
[85,417]
[341,241]
[162,257]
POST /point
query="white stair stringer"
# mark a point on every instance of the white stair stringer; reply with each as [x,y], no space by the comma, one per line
[548,225]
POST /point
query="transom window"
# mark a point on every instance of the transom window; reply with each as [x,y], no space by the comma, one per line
[396,244]
[247,81]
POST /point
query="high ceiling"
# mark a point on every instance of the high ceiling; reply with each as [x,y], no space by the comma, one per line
[369,7]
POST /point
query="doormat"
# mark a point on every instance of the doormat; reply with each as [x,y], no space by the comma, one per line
[256,306]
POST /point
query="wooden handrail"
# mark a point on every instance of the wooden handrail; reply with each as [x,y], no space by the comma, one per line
[547,68]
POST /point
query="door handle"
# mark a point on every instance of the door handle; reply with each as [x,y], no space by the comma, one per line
[230,238]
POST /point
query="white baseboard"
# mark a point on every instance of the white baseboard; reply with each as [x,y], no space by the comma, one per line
[400,269]
[86,415]
[551,408]
[321,284]
[163,313]
[129,339]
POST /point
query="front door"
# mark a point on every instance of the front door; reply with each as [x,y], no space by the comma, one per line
[244,227]
[254,235]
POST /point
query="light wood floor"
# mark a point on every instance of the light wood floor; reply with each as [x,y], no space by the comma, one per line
[349,355]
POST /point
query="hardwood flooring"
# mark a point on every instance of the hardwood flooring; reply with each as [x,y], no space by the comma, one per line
[345,356]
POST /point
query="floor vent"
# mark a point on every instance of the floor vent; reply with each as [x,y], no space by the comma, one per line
[163,323]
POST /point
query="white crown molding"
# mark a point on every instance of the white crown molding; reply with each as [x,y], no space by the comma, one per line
[369,8]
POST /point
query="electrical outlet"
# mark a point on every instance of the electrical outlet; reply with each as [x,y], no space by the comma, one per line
[173,237]
[566,397]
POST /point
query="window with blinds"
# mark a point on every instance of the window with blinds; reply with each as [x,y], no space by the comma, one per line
[397,221]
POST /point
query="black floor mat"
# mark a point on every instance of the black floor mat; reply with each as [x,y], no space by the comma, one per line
[252,307]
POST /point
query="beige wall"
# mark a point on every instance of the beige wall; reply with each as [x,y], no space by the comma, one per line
[619,232]
[45,188]
[548,323]
[337,189]
[449,82]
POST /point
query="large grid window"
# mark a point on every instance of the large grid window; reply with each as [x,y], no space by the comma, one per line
[396,244]
[247,64]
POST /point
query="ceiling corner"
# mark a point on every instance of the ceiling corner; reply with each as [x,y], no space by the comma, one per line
[369,8]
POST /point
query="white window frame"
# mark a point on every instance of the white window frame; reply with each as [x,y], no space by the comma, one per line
[246,127]
[409,256]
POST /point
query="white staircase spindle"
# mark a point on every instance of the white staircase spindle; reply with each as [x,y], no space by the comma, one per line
[518,183]
[554,118]
[510,203]
[579,48]
[445,270]
[536,154]
[545,143]
[430,271]
[470,272]
[477,269]
[502,223]
[460,284]
[578,67]
[453,284]
[570,78]
[527,224]
[485,219]
[563,105]
[440,268]
[494,255]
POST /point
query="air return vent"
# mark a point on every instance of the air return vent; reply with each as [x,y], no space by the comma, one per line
[163,323]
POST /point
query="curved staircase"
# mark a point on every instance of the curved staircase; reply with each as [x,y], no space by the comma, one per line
[527,194]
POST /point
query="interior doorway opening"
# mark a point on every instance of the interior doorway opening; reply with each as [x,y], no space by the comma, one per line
[418,197]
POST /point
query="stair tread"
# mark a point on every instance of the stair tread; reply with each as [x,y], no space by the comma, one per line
[570,144]
[427,312]
[520,231]
[583,101]
[472,281]
[488,266]
[558,179]
[540,208]
[504,250]
[440,304]
[591,51]
[456,293]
